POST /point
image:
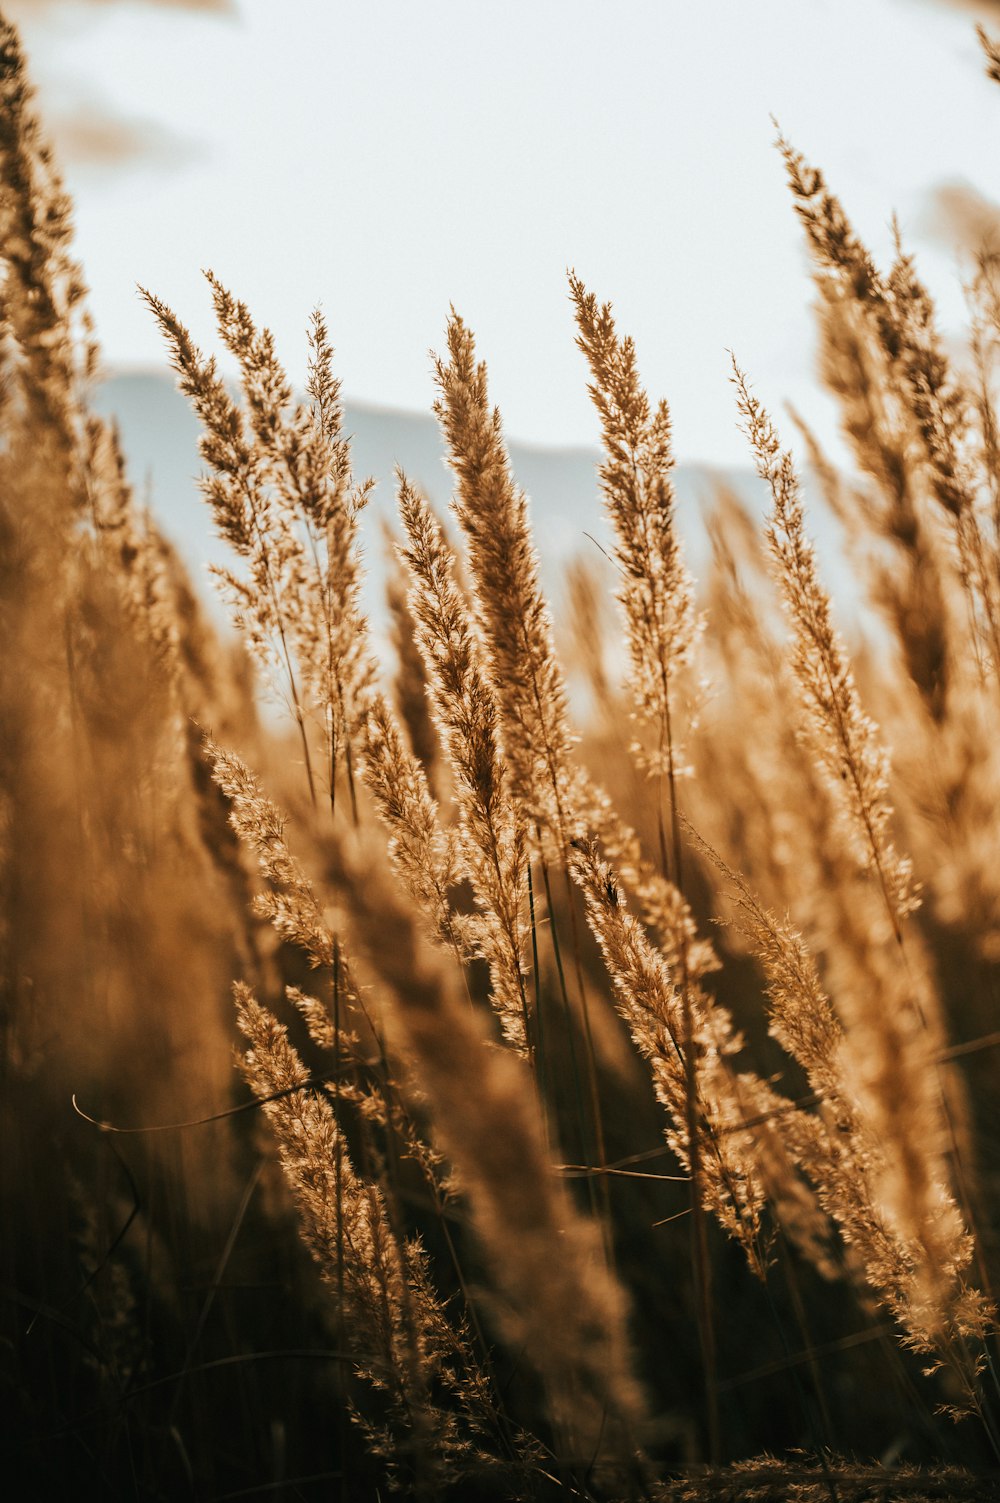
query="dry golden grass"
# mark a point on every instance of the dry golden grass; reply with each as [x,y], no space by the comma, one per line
[597,1205]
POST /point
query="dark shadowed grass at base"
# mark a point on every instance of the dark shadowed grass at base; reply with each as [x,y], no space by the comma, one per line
[835,1480]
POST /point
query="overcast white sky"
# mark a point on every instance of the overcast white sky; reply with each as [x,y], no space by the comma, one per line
[389,157]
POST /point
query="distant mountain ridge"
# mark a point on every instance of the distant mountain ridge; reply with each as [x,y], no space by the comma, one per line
[159,435]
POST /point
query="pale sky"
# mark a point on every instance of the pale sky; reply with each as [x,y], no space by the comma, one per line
[389,157]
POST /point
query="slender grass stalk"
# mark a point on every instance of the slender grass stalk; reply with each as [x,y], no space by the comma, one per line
[516,626]
[657,603]
[492,836]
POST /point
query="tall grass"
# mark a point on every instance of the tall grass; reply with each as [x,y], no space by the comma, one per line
[630,1083]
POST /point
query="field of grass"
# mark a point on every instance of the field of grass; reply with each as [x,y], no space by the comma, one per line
[551,1064]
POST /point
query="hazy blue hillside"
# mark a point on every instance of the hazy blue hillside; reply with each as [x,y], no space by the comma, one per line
[160,438]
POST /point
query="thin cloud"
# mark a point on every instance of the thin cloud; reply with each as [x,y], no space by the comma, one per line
[958,215]
[89,135]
